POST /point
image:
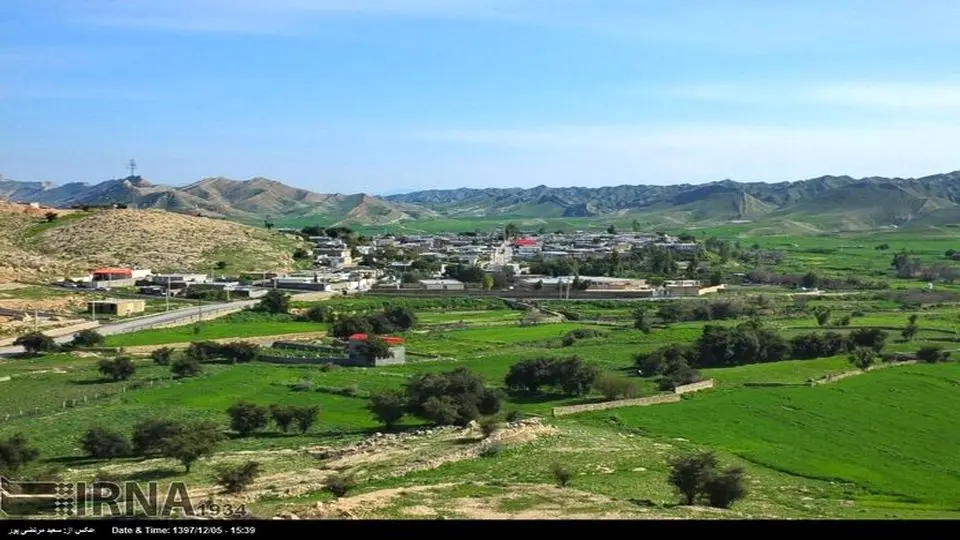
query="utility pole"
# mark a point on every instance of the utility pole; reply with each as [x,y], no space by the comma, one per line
[132,165]
[168,293]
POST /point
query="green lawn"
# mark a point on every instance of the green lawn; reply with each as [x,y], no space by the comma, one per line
[893,432]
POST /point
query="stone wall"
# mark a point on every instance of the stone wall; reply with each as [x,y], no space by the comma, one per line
[695,387]
[638,402]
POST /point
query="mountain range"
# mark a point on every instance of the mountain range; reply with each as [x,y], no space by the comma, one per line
[825,203]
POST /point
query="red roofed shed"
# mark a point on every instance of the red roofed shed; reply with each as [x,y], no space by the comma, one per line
[391,340]
[524,242]
[112,273]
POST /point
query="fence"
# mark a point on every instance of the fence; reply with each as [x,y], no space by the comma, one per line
[636,402]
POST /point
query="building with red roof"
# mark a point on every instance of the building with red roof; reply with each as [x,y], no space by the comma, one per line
[390,340]
[104,274]
[524,242]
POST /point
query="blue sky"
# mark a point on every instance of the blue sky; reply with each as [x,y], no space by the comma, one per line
[393,95]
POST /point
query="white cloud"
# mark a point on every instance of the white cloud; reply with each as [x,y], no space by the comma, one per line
[604,155]
[880,95]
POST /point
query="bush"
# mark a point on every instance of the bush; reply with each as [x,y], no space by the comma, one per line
[514,416]
[246,417]
[238,477]
[932,354]
[15,452]
[868,337]
[455,397]
[318,314]
[491,450]
[305,417]
[690,473]
[162,356]
[614,387]
[275,302]
[87,338]
[723,489]
[283,416]
[192,442]
[340,484]
[36,342]
[118,369]
[239,352]
[185,367]
[863,357]
[388,406]
[303,386]
[150,436]
[561,474]
[489,425]
[103,443]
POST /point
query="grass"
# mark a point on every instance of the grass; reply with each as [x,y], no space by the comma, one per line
[890,433]
[232,326]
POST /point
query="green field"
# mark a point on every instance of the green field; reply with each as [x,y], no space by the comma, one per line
[232,326]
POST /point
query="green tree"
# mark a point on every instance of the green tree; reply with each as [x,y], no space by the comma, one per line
[822,316]
[220,265]
[192,442]
[185,367]
[87,338]
[388,406]
[15,452]
[319,314]
[912,319]
[268,224]
[35,343]
[246,417]
[873,338]
[451,398]
[305,417]
[561,474]
[614,387]
[690,473]
[102,443]
[511,230]
[932,354]
[725,488]
[150,436]
[340,484]
[487,282]
[118,369]
[283,416]
[240,352]
[375,347]
[162,356]
[349,325]
[909,332]
[863,358]
[275,302]
[236,478]
[809,280]
[51,216]
[611,230]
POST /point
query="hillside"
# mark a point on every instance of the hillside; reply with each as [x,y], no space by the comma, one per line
[78,241]
[821,204]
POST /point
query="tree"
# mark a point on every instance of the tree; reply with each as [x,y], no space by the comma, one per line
[822,316]
[511,230]
[193,442]
[162,356]
[246,417]
[863,358]
[613,387]
[724,489]
[809,280]
[118,369]
[573,377]
[202,351]
[611,230]
[51,216]
[349,325]
[275,302]
[690,473]
[909,332]
[300,254]
[912,319]
[238,477]
[641,321]
[283,416]
[451,398]
[487,282]
[950,253]
[268,224]
[388,406]
[375,347]
[240,352]
[102,443]
[663,360]
[305,417]
[932,354]
[15,452]
[220,265]
[150,436]
[185,367]
[339,484]
[561,474]
[35,343]
[319,314]
[873,338]
[87,338]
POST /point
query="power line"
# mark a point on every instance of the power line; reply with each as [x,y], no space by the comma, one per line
[132,165]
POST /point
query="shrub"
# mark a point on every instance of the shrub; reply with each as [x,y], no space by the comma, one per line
[15,452]
[238,477]
[328,366]
[87,338]
[36,342]
[388,406]
[246,417]
[491,450]
[162,356]
[239,352]
[283,416]
[561,474]
[275,302]
[185,367]
[103,443]
[118,369]
[150,436]
[340,484]
[514,416]
[318,314]
[613,387]
[868,337]
[192,442]
[689,474]
[303,386]
[455,397]
[489,425]
[932,354]
[724,489]
[305,417]
[863,357]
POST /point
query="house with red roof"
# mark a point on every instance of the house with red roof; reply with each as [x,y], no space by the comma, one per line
[358,355]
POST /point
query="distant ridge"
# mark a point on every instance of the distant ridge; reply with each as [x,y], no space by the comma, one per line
[824,203]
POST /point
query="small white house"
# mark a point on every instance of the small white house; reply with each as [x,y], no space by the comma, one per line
[441,285]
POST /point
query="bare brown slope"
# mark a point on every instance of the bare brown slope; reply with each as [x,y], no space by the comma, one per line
[155,239]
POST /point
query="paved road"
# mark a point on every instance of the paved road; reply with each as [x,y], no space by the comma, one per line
[140,323]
